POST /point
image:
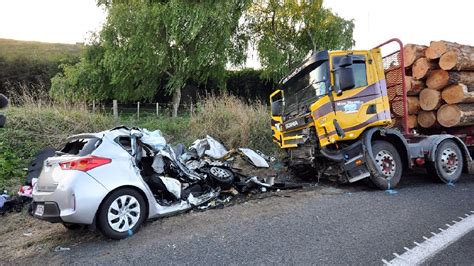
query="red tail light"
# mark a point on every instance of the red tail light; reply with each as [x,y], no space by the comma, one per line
[85,164]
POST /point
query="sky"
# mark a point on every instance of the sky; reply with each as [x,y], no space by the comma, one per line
[413,21]
[63,21]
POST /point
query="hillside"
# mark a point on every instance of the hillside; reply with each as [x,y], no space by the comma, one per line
[38,51]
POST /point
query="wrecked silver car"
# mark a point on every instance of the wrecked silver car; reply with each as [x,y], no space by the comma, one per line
[119,178]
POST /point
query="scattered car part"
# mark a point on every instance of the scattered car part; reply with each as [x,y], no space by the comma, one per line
[254,158]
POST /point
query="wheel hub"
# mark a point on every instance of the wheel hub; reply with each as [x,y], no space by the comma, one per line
[386,164]
[123,213]
[449,161]
[219,172]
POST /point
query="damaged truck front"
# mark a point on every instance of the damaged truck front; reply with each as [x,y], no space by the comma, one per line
[333,115]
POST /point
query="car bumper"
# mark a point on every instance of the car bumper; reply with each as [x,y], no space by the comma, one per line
[76,199]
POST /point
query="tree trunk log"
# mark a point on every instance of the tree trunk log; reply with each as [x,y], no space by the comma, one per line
[427,119]
[440,78]
[411,52]
[423,67]
[459,58]
[458,93]
[430,99]
[413,86]
[413,105]
[176,99]
[438,48]
[450,115]
[412,121]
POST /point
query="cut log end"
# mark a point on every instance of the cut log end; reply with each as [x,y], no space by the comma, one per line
[453,94]
[426,119]
[422,67]
[449,115]
[430,99]
[438,79]
[411,52]
[448,60]
[436,49]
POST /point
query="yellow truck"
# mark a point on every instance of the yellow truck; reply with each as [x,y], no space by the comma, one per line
[333,116]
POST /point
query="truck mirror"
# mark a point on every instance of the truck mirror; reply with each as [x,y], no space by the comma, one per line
[344,75]
[277,107]
[344,78]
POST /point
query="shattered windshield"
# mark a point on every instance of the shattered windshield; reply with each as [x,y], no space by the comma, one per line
[301,91]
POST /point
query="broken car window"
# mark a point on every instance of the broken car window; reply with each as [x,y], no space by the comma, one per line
[81,147]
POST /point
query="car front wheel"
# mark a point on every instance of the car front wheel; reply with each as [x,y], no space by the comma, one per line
[122,213]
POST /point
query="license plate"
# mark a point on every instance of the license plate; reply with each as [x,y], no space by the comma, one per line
[39,210]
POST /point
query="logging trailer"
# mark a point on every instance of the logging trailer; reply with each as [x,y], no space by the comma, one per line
[333,116]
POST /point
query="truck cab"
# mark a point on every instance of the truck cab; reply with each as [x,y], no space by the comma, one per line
[334,116]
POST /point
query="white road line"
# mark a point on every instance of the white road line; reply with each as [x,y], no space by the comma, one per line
[427,249]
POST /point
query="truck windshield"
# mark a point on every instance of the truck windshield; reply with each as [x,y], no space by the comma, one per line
[304,89]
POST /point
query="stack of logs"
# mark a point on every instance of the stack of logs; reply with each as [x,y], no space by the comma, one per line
[440,84]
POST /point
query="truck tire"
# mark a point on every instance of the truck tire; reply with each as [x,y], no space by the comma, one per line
[388,163]
[121,214]
[448,162]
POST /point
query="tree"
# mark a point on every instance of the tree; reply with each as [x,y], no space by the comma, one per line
[284,31]
[145,44]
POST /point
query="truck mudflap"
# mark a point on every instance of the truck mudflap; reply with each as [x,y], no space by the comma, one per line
[352,160]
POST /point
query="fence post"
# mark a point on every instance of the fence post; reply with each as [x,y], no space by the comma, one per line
[191,109]
[138,110]
[115,110]
[157,109]
[93,106]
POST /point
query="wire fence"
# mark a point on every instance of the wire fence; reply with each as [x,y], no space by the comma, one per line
[140,109]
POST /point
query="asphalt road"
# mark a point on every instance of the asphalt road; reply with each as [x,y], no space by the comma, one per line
[320,225]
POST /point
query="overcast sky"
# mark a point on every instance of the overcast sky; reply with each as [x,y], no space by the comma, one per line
[413,21]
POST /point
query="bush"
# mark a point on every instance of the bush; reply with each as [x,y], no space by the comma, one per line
[234,122]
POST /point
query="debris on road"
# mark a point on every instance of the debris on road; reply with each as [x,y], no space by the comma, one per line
[60,249]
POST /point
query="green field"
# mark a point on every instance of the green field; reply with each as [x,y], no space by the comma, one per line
[38,51]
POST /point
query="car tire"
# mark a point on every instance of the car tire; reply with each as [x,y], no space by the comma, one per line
[222,177]
[388,163]
[447,152]
[121,213]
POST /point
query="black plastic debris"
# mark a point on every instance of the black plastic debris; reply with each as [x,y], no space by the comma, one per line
[36,165]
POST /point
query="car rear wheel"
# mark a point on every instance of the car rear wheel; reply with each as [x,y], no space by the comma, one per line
[388,164]
[121,213]
[448,163]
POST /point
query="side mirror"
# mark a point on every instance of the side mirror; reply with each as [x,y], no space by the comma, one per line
[344,75]
[277,108]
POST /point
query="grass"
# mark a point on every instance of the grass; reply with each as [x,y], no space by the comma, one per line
[39,51]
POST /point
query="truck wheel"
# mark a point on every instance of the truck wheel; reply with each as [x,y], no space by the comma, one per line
[121,214]
[448,162]
[388,163]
